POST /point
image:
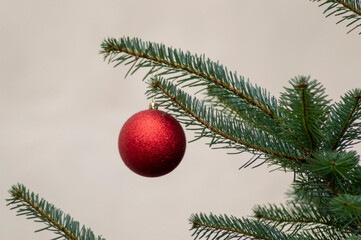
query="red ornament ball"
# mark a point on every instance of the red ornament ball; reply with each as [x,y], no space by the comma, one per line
[152,143]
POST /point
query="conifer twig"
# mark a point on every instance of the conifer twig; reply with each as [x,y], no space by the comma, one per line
[113,46]
[349,10]
[217,131]
[349,6]
[223,227]
[305,109]
[18,195]
[293,214]
[220,98]
[29,204]
[347,122]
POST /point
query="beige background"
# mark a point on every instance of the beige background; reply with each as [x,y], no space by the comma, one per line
[62,107]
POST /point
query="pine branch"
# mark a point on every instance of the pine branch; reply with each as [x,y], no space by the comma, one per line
[336,169]
[303,219]
[185,68]
[28,204]
[347,122]
[311,189]
[324,233]
[305,115]
[354,238]
[231,105]
[213,123]
[304,107]
[348,206]
[223,227]
[298,217]
[344,122]
[348,10]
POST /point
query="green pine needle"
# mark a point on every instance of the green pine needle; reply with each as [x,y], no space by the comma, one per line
[222,227]
[304,107]
[348,10]
[337,168]
[348,206]
[212,123]
[344,122]
[299,218]
[190,70]
[30,205]
[238,108]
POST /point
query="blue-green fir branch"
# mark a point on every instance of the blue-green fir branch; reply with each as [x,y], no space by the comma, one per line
[298,217]
[187,69]
[230,104]
[305,109]
[317,233]
[354,238]
[344,122]
[348,207]
[310,189]
[348,10]
[327,174]
[290,213]
[212,227]
[30,205]
[305,114]
[337,169]
[212,123]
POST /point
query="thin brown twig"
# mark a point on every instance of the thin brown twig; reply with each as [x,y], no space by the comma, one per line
[347,5]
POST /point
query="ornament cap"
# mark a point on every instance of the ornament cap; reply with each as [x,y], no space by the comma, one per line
[153,105]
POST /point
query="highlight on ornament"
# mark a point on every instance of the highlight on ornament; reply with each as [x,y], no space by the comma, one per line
[152,143]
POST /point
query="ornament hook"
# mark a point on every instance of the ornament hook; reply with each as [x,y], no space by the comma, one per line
[153,105]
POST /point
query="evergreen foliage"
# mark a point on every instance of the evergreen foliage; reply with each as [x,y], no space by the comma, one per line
[63,225]
[302,132]
[224,227]
[348,10]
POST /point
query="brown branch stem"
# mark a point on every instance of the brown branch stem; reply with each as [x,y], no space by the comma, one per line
[347,5]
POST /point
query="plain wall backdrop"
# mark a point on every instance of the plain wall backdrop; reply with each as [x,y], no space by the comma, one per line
[62,107]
